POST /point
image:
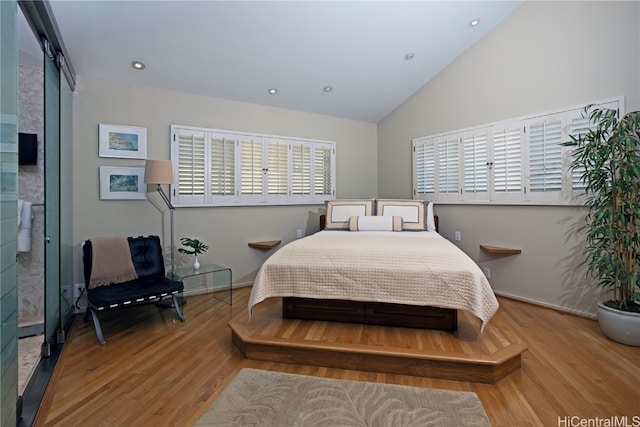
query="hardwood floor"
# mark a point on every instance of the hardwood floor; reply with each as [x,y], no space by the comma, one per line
[156,370]
[462,355]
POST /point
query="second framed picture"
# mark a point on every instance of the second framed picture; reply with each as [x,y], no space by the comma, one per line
[122,183]
[122,141]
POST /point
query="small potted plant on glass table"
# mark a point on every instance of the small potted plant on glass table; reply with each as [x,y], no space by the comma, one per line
[193,247]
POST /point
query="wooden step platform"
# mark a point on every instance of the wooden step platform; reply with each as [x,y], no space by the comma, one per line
[462,355]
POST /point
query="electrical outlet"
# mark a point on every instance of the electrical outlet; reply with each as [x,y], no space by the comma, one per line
[487,272]
[457,236]
[299,234]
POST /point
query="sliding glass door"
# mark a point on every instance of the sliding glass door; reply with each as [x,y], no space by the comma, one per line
[58,201]
[52,200]
[8,212]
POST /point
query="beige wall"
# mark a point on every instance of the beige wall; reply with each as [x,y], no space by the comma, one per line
[546,55]
[226,230]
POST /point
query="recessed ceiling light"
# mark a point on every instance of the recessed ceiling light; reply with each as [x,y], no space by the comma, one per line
[137,65]
[272,91]
[409,56]
[474,22]
[327,88]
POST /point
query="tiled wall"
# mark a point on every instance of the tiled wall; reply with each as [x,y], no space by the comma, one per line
[31,188]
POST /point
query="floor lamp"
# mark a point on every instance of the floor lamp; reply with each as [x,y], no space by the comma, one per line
[161,172]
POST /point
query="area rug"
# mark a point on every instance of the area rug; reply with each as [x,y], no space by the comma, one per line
[264,398]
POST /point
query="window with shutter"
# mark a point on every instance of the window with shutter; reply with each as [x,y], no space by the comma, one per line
[222,165]
[579,123]
[425,167]
[448,171]
[545,154]
[513,161]
[191,166]
[507,162]
[324,171]
[223,168]
[300,169]
[277,169]
[476,164]
[252,171]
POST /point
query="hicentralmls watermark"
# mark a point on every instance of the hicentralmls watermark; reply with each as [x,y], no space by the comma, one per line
[614,421]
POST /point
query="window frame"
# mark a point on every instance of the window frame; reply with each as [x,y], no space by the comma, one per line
[250,170]
[509,151]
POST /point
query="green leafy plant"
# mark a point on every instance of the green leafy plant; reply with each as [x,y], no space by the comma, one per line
[197,247]
[608,159]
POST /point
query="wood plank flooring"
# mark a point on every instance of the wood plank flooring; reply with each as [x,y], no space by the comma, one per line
[461,355]
[156,370]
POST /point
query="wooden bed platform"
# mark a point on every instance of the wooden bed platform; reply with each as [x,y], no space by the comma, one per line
[372,313]
[462,355]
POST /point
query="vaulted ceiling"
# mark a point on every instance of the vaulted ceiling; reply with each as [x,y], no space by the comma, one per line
[352,59]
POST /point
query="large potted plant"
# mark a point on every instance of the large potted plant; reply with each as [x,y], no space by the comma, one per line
[608,159]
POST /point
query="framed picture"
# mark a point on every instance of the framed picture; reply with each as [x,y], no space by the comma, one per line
[122,141]
[118,183]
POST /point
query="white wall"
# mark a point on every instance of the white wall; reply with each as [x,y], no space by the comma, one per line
[226,230]
[546,55]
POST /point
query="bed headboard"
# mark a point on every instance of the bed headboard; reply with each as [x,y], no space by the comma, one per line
[323,221]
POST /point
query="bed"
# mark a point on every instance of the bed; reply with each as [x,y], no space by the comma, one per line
[411,277]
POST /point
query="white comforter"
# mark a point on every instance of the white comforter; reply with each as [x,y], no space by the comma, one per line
[416,268]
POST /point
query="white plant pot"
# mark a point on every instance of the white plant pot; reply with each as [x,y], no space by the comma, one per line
[619,326]
[196,264]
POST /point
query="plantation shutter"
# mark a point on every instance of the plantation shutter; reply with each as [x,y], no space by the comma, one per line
[507,162]
[300,169]
[425,167]
[222,165]
[277,170]
[191,155]
[324,165]
[515,161]
[223,168]
[448,171]
[252,170]
[545,166]
[579,123]
[476,164]
[545,157]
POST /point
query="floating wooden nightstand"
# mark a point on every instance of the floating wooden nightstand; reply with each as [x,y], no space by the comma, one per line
[265,246]
[498,250]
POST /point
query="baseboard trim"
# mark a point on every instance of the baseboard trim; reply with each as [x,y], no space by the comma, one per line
[547,305]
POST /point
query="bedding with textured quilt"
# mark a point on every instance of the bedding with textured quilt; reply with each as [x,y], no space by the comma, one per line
[415,268]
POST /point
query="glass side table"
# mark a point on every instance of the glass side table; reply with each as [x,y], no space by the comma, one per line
[217,272]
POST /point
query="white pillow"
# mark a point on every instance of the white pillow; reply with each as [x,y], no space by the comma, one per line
[411,211]
[431,222]
[339,212]
[375,223]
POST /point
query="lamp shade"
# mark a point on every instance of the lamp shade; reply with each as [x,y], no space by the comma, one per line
[158,172]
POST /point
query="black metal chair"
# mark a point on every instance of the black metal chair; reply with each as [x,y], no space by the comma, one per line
[151,284]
